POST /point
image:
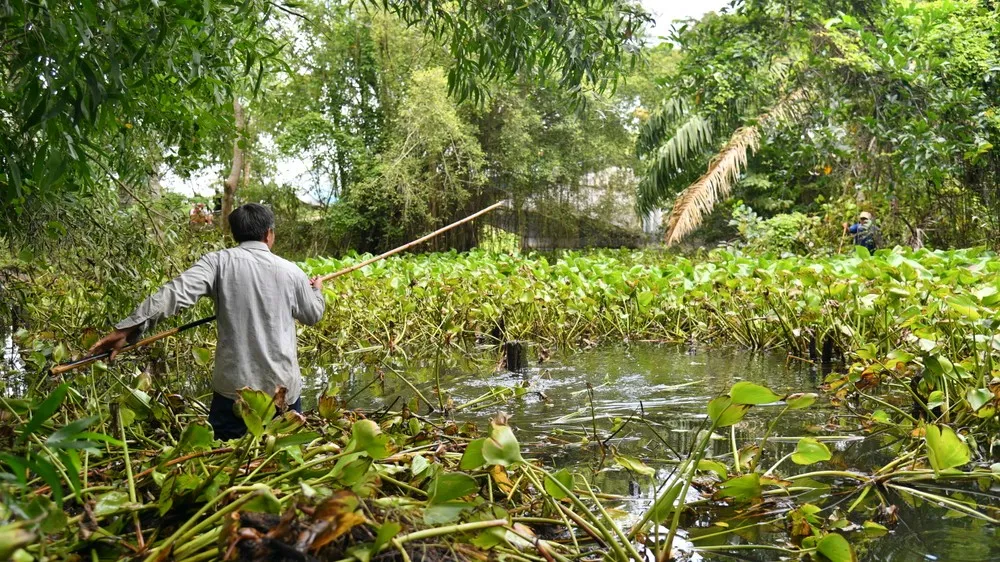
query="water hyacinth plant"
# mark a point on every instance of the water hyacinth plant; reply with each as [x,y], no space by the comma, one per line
[340,486]
[919,323]
[132,466]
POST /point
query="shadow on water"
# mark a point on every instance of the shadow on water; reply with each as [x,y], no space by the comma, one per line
[668,387]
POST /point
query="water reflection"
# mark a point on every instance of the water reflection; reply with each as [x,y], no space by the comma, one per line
[664,389]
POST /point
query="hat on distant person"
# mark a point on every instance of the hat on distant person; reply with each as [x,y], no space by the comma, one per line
[865,215]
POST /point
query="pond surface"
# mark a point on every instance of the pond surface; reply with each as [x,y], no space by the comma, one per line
[664,390]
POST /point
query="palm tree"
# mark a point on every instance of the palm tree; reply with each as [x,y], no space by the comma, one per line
[677,138]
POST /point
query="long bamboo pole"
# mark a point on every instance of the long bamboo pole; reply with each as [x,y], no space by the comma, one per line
[412,244]
[59,369]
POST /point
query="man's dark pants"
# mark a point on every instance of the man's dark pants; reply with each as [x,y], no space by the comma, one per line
[225,423]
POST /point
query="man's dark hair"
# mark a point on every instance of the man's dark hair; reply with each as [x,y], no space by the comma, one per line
[250,222]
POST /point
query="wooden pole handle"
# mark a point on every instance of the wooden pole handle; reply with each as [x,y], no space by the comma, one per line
[59,369]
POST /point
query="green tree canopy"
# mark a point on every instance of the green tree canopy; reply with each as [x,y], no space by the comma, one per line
[94,90]
[98,89]
[887,99]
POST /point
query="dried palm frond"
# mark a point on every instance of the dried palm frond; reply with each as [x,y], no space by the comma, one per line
[699,198]
[788,108]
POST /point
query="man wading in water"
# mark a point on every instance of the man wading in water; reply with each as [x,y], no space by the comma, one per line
[258,296]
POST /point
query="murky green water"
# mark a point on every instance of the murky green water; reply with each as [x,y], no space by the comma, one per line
[664,390]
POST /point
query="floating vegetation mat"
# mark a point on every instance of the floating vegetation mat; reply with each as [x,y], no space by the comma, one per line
[116,466]
[141,480]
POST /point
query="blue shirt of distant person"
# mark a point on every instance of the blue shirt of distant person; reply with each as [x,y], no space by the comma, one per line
[865,232]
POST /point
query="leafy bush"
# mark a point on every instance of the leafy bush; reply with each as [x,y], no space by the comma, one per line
[784,233]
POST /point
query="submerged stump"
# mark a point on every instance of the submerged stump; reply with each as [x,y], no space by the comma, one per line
[514,357]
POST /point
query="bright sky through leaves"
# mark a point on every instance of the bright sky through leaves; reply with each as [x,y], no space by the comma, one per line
[294,171]
[666,11]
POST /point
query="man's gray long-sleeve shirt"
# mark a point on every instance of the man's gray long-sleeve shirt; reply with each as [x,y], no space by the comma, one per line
[258,296]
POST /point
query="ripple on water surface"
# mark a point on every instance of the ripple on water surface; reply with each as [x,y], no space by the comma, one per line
[670,386]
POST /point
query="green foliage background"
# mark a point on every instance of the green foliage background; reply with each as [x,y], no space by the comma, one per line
[901,116]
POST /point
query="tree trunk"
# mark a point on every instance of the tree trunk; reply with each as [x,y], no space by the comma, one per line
[233,181]
[245,180]
[155,193]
